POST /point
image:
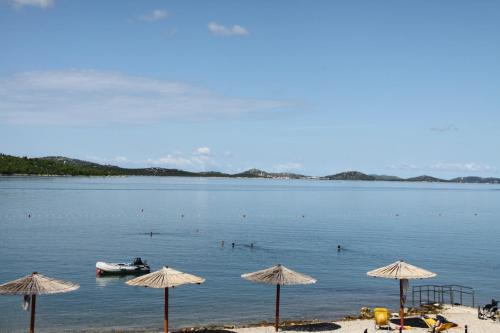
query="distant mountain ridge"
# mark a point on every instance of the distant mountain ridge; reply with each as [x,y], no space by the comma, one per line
[64,166]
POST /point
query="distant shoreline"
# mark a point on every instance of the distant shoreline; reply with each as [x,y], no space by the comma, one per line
[59,166]
[3,176]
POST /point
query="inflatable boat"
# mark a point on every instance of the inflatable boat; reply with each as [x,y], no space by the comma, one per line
[137,267]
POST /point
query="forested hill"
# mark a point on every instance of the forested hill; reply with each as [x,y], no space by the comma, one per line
[64,166]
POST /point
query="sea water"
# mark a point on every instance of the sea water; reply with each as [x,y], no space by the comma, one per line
[60,227]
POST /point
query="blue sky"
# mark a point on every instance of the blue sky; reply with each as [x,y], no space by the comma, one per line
[388,87]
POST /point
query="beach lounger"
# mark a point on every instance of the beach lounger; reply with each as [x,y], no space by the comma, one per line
[441,328]
[381,316]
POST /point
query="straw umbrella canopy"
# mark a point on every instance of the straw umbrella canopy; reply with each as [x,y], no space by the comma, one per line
[278,275]
[163,279]
[401,271]
[33,285]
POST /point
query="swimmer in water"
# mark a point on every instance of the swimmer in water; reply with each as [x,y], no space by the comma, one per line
[151,234]
[142,210]
[29,216]
[221,243]
[251,245]
[244,215]
[339,248]
[232,245]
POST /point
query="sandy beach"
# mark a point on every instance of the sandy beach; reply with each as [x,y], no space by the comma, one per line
[457,314]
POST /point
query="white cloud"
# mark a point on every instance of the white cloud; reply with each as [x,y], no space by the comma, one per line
[174,160]
[403,166]
[121,159]
[103,160]
[200,159]
[445,166]
[155,15]
[34,3]
[287,167]
[86,97]
[219,29]
[465,167]
[170,161]
[203,151]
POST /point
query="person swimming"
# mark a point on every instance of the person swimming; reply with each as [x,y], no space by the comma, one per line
[339,248]
[222,243]
[232,245]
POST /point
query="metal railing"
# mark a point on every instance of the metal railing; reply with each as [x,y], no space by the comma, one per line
[444,294]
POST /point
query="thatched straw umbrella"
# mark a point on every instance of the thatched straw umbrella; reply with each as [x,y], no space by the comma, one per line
[33,285]
[165,278]
[280,276]
[401,271]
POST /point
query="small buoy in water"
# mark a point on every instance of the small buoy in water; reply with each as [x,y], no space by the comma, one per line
[151,234]
[142,210]
[244,215]
[475,214]
[303,216]
[182,216]
[397,214]
[197,230]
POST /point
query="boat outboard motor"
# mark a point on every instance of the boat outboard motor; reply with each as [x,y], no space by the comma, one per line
[138,261]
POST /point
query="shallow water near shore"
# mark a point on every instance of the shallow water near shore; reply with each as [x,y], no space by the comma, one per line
[451,229]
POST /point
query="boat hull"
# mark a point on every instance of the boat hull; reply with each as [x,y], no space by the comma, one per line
[103,268]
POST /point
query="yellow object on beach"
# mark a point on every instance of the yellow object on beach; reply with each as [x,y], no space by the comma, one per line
[430,321]
[441,328]
[381,316]
[444,327]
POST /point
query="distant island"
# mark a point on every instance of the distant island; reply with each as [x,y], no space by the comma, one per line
[64,166]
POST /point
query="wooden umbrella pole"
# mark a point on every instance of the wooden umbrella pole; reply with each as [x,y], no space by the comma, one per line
[166,310]
[277,319]
[401,304]
[33,308]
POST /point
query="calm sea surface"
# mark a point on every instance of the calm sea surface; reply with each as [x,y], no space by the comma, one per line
[451,229]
